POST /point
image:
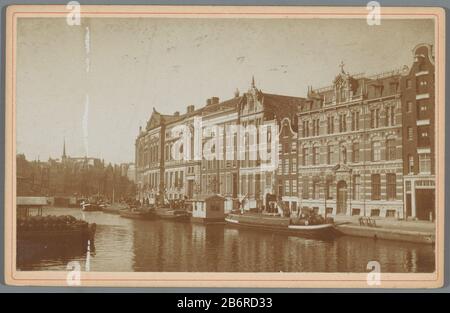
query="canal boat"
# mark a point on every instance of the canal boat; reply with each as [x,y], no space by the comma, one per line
[208,210]
[135,213]
[54,229]
[285,225]
[92,206]
[115,208]
[173,215]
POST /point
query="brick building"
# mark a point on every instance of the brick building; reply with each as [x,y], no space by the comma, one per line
[418,98]
[363,146]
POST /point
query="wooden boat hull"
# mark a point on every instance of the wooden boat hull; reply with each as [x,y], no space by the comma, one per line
[58,236]
[282,225]
[172,215]
[91,207]
[138,215]
[178,218]
[207,221]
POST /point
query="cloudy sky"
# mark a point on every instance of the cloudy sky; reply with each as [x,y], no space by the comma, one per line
[141,63]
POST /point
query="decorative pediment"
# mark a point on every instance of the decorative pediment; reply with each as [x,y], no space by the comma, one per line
[154,121]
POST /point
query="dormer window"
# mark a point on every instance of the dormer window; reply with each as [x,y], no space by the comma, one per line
[342,95]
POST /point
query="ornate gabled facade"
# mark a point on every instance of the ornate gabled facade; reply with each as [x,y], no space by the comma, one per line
[260,108]
[351,146]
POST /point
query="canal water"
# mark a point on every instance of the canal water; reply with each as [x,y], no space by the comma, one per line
[126,245]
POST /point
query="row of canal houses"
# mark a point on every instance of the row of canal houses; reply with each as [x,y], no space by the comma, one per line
[363,146]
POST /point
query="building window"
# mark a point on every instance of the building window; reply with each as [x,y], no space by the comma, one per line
[294,187]
[356,187]
[315,189]
[390,116]
[294,165]
[330,124]
[342,123]
[375,212]
[376,151]
[316,156]
[410,133]
[390,213]
[316,125]
[410,164]
[355,121]
[374,118]
[305,156]
[356,212]
[391,188]
[305,129]
[376,190]
[287,188]
[330,154]
[425,163]
[356,152]
[286,167]
[305,187]
[409,107]
[390,149]
[294,147]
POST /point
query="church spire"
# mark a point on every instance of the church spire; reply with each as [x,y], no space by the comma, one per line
[64,149]
[253,81]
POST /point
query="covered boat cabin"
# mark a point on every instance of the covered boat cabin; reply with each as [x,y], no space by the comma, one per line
[210,209]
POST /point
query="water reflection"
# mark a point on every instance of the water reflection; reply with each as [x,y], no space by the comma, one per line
[133,245]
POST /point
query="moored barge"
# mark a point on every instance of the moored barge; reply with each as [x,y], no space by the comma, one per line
[283,225]
[134,213]
[172,214]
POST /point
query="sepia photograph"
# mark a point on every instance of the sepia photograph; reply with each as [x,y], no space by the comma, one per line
[224,146]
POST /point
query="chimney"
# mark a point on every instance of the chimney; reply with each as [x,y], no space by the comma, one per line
[190,108]
[236,93]
[208,102]
[176,113]
[215,100]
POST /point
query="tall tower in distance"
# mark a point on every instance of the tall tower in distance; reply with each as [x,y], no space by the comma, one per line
[64,156]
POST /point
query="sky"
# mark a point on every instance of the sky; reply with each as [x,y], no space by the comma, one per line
[93,85]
